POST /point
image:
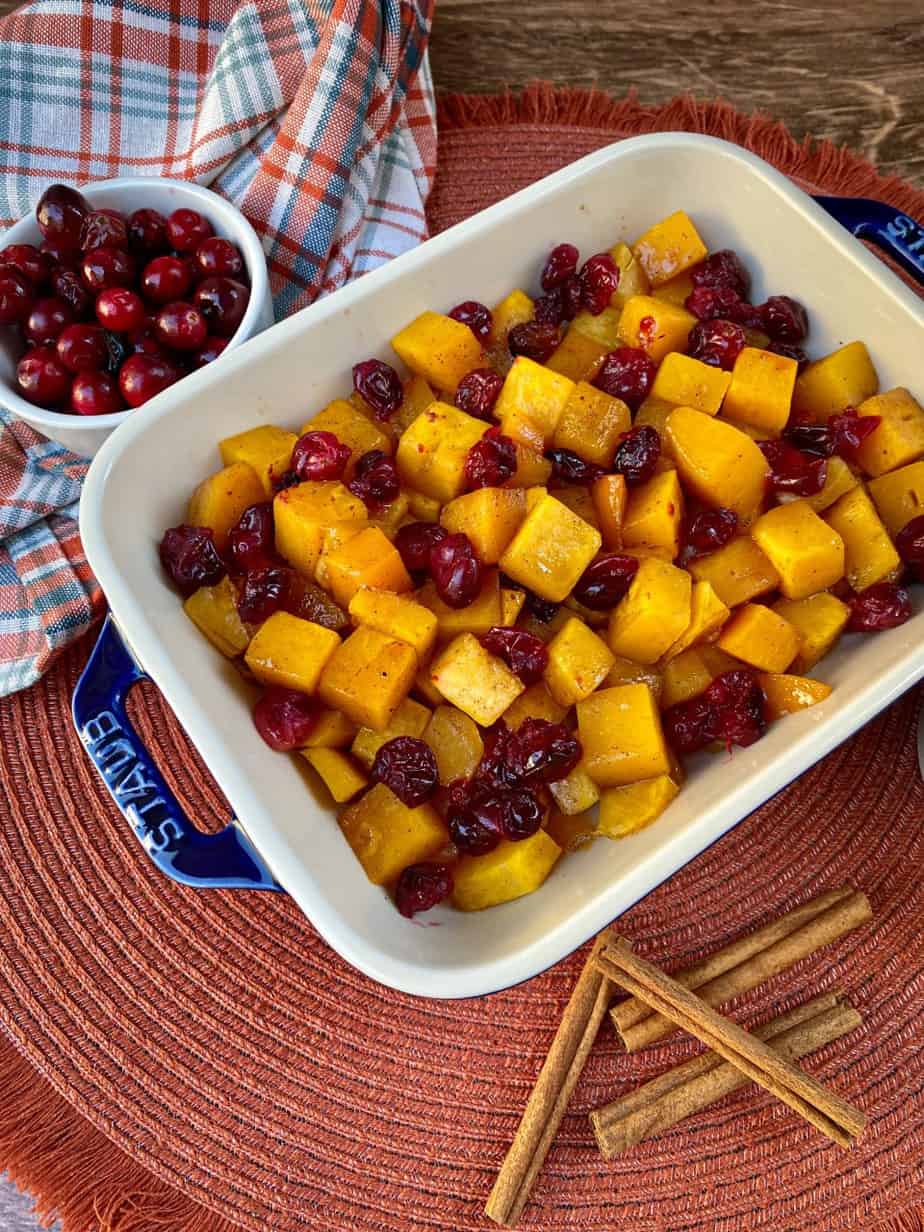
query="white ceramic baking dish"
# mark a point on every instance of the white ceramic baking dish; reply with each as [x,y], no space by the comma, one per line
[140,480]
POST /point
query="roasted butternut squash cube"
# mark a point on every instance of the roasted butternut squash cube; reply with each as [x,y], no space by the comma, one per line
[489,516]
[787,694]
[575,793]
[368,677]
[292,652]
[508,872]
[514,309]
[572,832]
[533,469]
[368,559]
[267,450]
[620,732]
[683,381]
[738,572]
[899,439]
[819,620]
[602,327]
[610,495]
[870,554]
[417,397]
[213,610]
[654,515]
[720,464]
[351,428]
[761,388]
[578,662]
[806,552]
[899,496]
[425,688]
[476,682]
[592,424]
[655,412]
[333,538]
[396,616]
[551,550]
[432,452]
[455,741]
[579,501]
[684,676]
[387,836]
[219,500]
[840,479]
[333,730]
[759,636]
[626,810]
[844,378]
[655,326]
[309,514]
[707,616]
[654,612]
[482,614]
[531,403]
[511,604]
[669,247]
[718,661]
[422,508]
[410,719]
[338,772]
[545,630]
[439,349]
[632,277]
[536,702]
[577,356]
[627,671]
[389,517]
[677,290]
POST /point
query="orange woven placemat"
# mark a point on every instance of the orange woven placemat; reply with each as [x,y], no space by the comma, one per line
[202,1061]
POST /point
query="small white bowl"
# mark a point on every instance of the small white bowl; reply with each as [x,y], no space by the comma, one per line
[85,433]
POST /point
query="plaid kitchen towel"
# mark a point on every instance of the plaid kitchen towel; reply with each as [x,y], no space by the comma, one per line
[316,117]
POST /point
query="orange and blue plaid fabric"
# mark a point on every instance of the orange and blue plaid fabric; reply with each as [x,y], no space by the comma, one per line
[315,117]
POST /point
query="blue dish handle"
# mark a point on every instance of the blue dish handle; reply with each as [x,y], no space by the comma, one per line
[226,860]
[900,236]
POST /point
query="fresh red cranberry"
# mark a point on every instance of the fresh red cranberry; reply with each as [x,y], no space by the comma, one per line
[476,316]
[791,352]
[723,268]
[599,279]
[542,752]
[407,767]
[542,610]
[422,886]
[264,591]
[120,309]
[883,606]
[251,540]
[144,340]
[490,461]
[190,557]
[42,378]
[691,725]
[521,814]
[605,581]
[218,256]
[638,454]
[209,351]
[533,340]
[143,376]
[414,542]
[30,262]
[784,319]
[793,471]
[526,655]
[186,229]
[17,295]
[456,571]
[910,544]
[561,304]
[95,393]
[476,824]
[739,702]
[59,214]
[165,279]
[181,326]
[102,268]
[717,343]
[626,373]
[82,347]
[375,480]
[710,530]
[378,384]
[478,391]
[103,229]
[320,455]
[223,302]
[849,430]
[560,265]
[569,467]
[285,718]
[147,232]
[49,316]
[66,285]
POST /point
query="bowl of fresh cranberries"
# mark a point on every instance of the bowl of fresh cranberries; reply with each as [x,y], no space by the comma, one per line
[112,292]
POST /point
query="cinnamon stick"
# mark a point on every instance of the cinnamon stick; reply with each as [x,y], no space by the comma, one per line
[560,1071]
[686,1089]
[821,1107]
[749,961]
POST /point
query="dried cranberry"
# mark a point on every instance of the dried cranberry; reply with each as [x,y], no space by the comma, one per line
[526,655]
[883,606]
[626,373]
[60,213]
[816,439]
[103,228]
[849,430]
[739,702]
[378,384]
[533,339]
[570,468]
[493,771]
[910,544]
[375,480]
[560,265]
[605,581]
[790,351]
[691,725]
[717,343]
[710,530]
[476,825]
[723,268]
[478,391]
[264,592]
[251,539]
[414,542]
[66,285]
[320,455]
[793,471]
[542,752]
[711,303]
[407,767]
[285,718]
[784,319]
[456,570]
[521,814]
[562,304]
[540,609]
[422,886]
[309,601]
[638,454]
[490,461]
[476,316]
[190,556]
[599,279]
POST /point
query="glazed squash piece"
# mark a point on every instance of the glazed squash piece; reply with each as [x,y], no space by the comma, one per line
[509,871]
[219,501]
[267,450]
